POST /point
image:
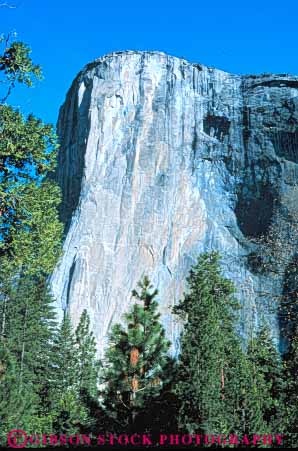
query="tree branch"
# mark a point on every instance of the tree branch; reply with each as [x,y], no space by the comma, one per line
[3,100]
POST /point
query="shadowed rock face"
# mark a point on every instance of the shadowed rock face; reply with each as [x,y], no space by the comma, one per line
[160,160]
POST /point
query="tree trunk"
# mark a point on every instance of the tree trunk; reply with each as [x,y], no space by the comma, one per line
[23,348]
[4,317]
[222,384]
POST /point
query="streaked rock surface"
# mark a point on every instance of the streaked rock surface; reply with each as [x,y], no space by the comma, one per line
[162,159]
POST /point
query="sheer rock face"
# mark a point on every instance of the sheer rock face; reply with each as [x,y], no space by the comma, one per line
[160,160]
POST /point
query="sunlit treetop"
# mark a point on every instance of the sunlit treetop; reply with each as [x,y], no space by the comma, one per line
[16,65]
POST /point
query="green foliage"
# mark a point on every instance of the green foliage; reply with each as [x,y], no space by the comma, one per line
[73,377]
[25,142]
[250,400]
[291,393]
[16,402]
[30,243]
[27,154]
[27,326]
[207,343]
[16,64]
[63,394]
[69,414]
[88,366]
[267,364]
[27,149]
[34,240]
[135,360]
[220,390]
[64,361]
[88,375]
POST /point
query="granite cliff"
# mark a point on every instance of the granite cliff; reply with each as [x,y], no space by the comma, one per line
[160,160]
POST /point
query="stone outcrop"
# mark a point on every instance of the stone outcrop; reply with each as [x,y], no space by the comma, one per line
[160,160]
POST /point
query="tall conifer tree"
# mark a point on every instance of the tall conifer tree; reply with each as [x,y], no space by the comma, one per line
[214,381]
[17,404]
[88,365]
[88,375]
[135,360]
[65,403]
[267,363]
[291,393]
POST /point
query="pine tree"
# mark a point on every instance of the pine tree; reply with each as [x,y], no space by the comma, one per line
[30,325]
[291,392]
[88,374]
[288,317]
[88,365]
[17,404]
[247,396]
[134,361]
[69,412]
[267,363]
[208,312]
[215,378]
[64,375]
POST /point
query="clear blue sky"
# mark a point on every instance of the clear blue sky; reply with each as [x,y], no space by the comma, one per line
[249,36]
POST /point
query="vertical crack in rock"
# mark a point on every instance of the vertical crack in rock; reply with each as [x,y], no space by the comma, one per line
[160,160]
[69,281]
